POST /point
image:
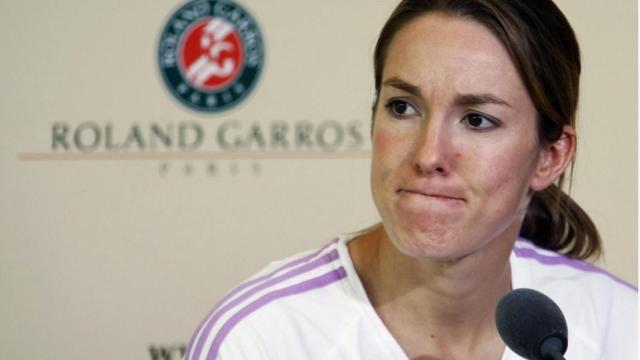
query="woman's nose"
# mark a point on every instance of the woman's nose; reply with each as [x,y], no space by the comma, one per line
[433,151]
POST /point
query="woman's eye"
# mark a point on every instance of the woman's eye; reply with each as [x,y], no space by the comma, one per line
[399,108]
[478,121]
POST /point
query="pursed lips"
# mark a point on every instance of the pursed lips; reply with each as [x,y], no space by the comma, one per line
[431,194]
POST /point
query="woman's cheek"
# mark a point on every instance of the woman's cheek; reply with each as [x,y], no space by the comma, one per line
[381,141]
[507,179]
[388,144]
[386,158]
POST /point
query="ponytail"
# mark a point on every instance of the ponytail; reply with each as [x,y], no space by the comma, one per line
[556,222]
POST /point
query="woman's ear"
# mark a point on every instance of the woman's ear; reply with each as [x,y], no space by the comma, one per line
[554,159]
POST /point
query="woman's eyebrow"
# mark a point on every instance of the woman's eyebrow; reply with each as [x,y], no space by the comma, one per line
[461,99]
[479,99]
[405,86]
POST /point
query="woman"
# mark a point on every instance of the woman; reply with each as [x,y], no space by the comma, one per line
[473,127]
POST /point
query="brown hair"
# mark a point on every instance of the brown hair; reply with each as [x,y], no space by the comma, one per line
[544,50]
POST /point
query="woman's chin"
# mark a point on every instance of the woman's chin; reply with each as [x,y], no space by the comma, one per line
[432,245]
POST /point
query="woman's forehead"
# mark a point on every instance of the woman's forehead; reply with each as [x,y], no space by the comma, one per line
[437,49]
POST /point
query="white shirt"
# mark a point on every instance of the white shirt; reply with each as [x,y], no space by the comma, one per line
[313,306]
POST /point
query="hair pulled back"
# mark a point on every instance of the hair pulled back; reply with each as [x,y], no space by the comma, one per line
[544,50]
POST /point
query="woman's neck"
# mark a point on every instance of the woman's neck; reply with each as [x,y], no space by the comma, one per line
[447,306]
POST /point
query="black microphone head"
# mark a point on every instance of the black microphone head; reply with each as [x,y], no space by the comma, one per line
[526,318]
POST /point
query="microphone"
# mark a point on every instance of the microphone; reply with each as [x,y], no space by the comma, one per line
[532,325]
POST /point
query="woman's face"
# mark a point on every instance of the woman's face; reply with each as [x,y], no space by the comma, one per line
[455,150]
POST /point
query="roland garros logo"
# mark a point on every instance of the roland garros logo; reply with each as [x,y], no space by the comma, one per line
[210,54]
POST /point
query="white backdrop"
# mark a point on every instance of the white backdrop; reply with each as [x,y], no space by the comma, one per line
[120,253]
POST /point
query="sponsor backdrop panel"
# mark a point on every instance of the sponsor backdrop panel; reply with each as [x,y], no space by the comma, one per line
[127,213]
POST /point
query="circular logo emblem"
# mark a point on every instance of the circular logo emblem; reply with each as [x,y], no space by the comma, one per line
[210,54]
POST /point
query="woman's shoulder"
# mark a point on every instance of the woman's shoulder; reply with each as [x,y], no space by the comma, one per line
[600,308]
[274,302]
[549,266]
